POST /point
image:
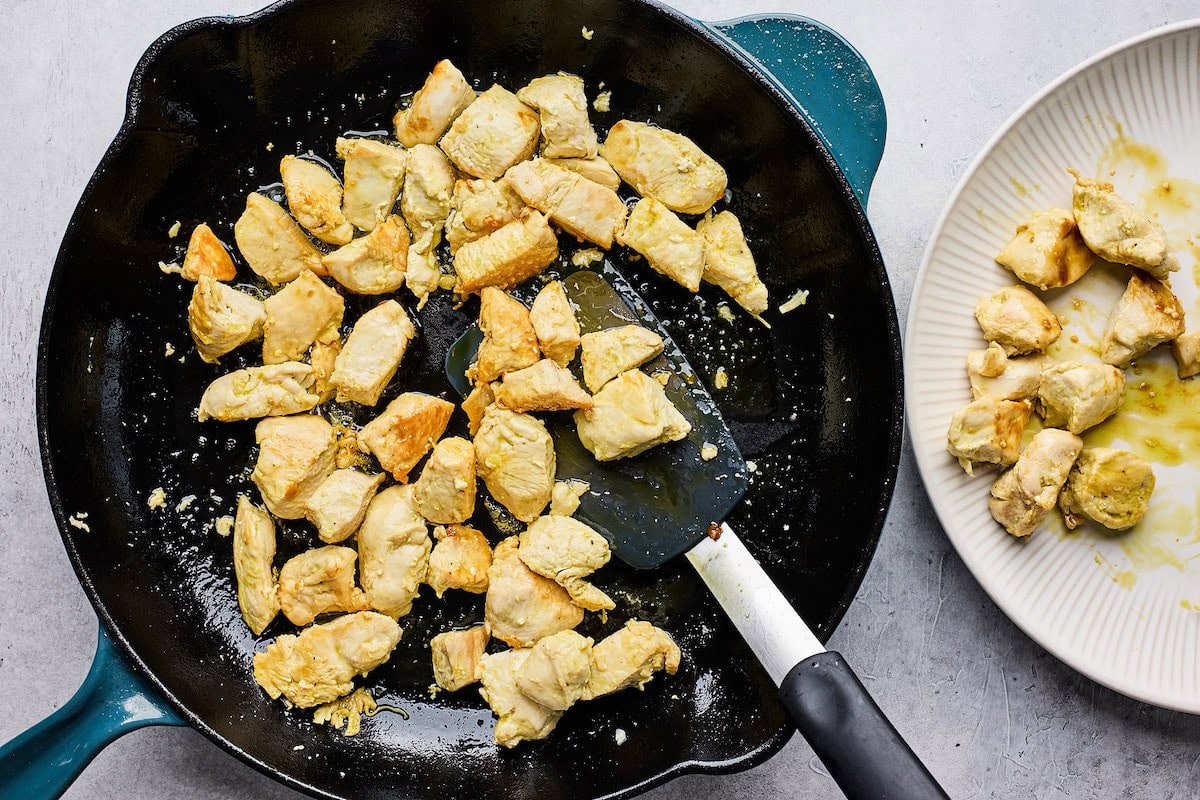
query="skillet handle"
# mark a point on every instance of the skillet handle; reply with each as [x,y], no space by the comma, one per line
[43,761]
[827,79]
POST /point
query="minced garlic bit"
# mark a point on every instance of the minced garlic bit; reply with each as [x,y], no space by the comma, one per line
[798,299]
[602,101]
[620,736]
[184,502]
[158,499]
[721,379]
[662,377]
[708,451]
[346,712]
[587,34]
[223,525]
[169,269]
[433,690]
[170,350]
[173,231]
[725,312]
[270,146]
[585,258]
[448,282]
[77,521]
[751,466]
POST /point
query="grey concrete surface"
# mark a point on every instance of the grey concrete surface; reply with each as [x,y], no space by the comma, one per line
[993,714]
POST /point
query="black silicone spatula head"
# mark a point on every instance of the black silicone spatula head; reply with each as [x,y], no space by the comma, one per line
[656,505]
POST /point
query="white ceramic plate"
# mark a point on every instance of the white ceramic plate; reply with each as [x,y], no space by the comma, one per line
[1120,608]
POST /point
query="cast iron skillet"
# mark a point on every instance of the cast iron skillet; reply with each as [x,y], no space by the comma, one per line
[814,401]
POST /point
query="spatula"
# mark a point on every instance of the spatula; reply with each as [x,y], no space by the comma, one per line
[671,500]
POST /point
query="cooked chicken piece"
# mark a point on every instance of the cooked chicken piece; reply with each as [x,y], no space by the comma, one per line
[476,404]
[339,504]
[221,318]
[375,263]
[555,324]
[274,390]
[1187,353]
[630,657]
[993,374]
[728,262]
[608,353]
[295,455]
[582,208]
[628,416]
[445,490]
[668,244]
[428,189]
[594,169]
[562,105]
[372,353]
[494,132]
[508,256]
[207,256]
[1047,250]
[514,455]
[1118,232]
[557,670]
[456,656]
[1016,319]
[322,357]
[1023,495]
[1077,394]
[374,172]
[509,341]
[545,386]
[405,431]
[460,560]
[393,551]
[314,195]
[318,665]
[520,718]
[521,606]
[1147,315]
[435,105]
[988,431]
[564,501]
[480,207]
[303,312]
[566,551]
[424,272]
[1110,487]
[318,581]
[253,557]
[272,243]
[664,165]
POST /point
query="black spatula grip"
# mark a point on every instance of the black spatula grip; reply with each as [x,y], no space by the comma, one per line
[852,737]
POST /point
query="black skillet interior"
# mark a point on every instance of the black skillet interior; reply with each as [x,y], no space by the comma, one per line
[814,402]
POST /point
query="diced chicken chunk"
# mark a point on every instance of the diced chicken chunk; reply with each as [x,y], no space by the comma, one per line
[1147,315]
[405,431]
[555,324]
[434,106]
[480,207]
[456,656]
[374,172]
[1078,394]
[476,404]
[560,101]
[253,559]
[303,312]
[428,189]
[1187,353]
[339,505]
[393,551]
[509,341]
[372,353]
[545,386]
[564,500]
[460,560]
[664,165]
[207,256]
[1047,250]
[508,256]
[566,551]
[608,353]
[322,357]
[221,318]
[315,196]
[273,390]
[728,262]
[318,581]
[594,169]
[521,606]
[668,244]
[1017,320]
[445,490]
[557,670]
[993,374]
[295,456]
[581,207]
[628,416]
[520,718]
[375,263]
[1110,487]
[1118,232]
[514,455]
[988,431]
[630,657]
[1023,495]
[319,665]
[272,243]
[494,132]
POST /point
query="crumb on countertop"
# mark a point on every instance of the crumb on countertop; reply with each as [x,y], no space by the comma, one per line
[157,499]
[797,300]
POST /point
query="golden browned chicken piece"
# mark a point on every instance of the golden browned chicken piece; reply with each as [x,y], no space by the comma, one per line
[564,500]
[664,165]
[339,504]
[630,657]
[445,489]
[1147,315]
[494,132]
[374,172]
[1017,320]
[545,386]
[303,312]
[1187,353]
[272,243]
[478,208]
[253,560]
[273,390]
[372,353]
[319,665]
[393,551]
[993,374]
[608,353]
[728,262]
[1115,230]
[314,195]
[566,551]
[522,606]
[562,105]
[520,718]
[509,341]
[668,244]
[475,405]
[456,656]
[434,106]
[1023,495]
[514,455]
[557,670]
[508,256]
[582,208]
[207,256]
[460,560]
[295,455]
[322,357]
[628,416]
[988,431]
[318,581]
[555,324]
[1110,487]
[1079,394]
[1047,250]
[405,431]
[375,263]
[222,319]
[428,189]
[594,169]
